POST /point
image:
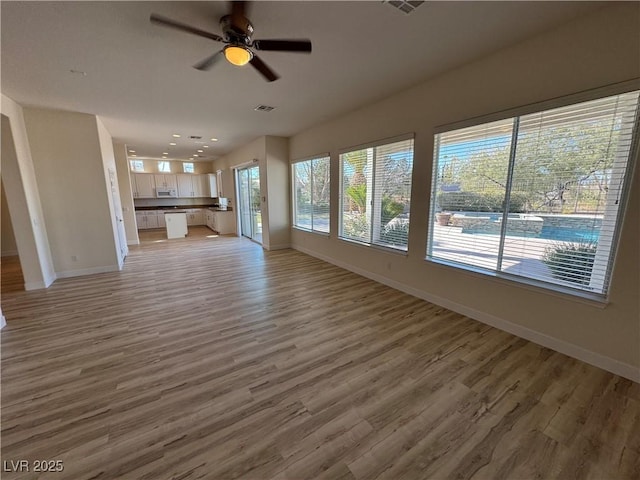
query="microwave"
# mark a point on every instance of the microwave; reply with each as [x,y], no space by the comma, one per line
[166,193]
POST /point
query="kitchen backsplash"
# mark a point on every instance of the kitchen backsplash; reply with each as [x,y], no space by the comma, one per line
[169,202]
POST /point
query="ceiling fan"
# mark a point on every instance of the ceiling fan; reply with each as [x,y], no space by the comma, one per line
[237,31]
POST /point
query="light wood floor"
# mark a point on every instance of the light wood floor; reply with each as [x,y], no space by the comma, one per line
[209,358]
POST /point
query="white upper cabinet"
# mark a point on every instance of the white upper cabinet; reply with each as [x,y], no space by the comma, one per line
[191,185]
[212,183]
[143,185]
[166,181]
[185,185]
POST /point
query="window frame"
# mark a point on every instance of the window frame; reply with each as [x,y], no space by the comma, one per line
[133,168]
[293,164]
[633,161]
[160,170]
[193,167]
[377,143]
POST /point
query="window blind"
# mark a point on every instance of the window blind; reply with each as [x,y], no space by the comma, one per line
[536,196]
[376,194]
[311,191]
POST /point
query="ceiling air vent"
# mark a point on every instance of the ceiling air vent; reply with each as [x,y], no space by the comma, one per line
[263,108]
[404,5]
[195,137]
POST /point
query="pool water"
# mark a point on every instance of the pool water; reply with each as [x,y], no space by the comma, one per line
[563,234]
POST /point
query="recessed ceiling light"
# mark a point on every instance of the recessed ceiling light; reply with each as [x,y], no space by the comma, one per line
[196,155]
[214,139]
[134,155]
[190,158]
[200,151]
[205,146]
[163,156]
[175,135]
[173,143]
[165,153]
[132,151]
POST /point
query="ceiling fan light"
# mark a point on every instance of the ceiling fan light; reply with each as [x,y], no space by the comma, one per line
[237,55]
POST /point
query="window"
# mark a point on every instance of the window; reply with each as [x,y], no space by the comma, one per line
[536,196]
[311,191]
[164,167]
[137,165]
[375,194]
[187,167]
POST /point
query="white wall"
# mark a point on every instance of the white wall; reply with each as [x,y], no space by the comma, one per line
[241,156]
[23,199]
[593,51]
[126,193]
[151,166]
[278,222]
[68,162]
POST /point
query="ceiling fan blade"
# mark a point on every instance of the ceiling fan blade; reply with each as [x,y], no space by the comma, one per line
[208,62]
[302,45]
[167,22]
[239,20]
[262,67]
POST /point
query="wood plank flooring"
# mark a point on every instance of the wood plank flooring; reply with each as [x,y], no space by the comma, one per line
[208,358]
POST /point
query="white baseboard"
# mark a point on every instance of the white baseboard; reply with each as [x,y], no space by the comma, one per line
[135,242]
[9,253]
[87,271]
[283,246]
[601,361]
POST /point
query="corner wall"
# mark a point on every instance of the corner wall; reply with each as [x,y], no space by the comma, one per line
[68,163]
[23,199]
[593,51]
[126,193]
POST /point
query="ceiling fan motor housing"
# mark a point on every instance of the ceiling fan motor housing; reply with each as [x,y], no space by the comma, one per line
[235,35]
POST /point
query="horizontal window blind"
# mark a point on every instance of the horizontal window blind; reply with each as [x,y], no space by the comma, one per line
[376,194]
[311,191]
[536,196]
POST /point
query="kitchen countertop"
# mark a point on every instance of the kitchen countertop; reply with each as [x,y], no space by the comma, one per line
[181,208]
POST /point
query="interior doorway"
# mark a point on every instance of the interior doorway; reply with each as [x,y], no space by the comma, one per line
[249,202]
[10,267]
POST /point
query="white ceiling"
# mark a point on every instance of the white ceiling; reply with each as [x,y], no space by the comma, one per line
[140,82]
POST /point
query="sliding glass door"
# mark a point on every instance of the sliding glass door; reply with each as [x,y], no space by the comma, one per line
[249,203]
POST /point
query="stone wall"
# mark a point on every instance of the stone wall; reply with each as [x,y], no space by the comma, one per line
[523,225]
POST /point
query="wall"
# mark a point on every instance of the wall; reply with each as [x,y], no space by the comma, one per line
[126,194]
[243,156]
[68,163]
[7,239]
[593,51]
[113,191]
[23,199]
[277,193]
[151,166]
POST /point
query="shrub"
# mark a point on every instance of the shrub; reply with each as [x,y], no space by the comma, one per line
[571,262]
[395,234]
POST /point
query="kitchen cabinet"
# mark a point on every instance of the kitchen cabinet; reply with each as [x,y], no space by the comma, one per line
[195,216]
[220,222]
[212,181]
[147,219]
[143,185]
[225,222]
[209,219]
[200,185]
[192,185]
[166,181]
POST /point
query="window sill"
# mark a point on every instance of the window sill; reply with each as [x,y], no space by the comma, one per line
[560,291]
[375,246]
[307,230]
